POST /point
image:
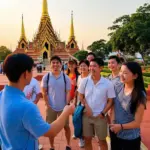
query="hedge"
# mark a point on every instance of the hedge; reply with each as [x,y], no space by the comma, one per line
[106,70]
[146,84]
[146,74]
[105,74]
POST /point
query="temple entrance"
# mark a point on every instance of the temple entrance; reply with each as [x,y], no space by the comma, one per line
[45,55]
[22,45]
[46,46]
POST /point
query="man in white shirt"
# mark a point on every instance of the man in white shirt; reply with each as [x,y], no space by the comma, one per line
[32,91]
[97,94]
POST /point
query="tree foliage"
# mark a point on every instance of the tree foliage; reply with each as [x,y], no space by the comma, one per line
[4,51]
[100,48]
[81,55]
[131,33]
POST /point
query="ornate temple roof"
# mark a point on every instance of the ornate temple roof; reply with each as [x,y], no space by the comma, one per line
[46,40]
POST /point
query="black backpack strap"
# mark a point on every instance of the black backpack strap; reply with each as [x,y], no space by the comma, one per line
[47,82]
[65,85]
[65,82]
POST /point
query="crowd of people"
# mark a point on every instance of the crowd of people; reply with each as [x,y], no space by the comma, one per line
[114,105]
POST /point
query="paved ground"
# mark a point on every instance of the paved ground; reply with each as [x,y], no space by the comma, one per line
[145,127]
[60,139]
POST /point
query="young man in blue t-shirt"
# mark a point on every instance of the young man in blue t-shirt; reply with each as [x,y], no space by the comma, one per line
[56,92]
[19,130]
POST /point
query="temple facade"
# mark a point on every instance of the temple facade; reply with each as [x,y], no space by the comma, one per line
[46,43]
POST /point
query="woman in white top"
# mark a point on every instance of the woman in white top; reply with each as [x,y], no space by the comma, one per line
[84,70]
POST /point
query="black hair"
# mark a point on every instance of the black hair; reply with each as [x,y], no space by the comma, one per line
[99,61]
[122,60]
[91,53]
[16,64]
[116,58]
[138,95]
[76,69]
[55,58]
[84,61]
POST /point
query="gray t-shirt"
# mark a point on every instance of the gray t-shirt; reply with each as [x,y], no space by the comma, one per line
[115,81]
[56,90]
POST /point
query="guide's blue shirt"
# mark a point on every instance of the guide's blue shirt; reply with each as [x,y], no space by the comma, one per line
[20,121]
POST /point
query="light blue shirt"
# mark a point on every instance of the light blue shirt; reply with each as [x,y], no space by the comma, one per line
[56,90]
[20,121]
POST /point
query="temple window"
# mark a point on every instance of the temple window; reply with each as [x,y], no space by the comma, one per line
[72,45]
[47,46]
[45,55]
[22,45]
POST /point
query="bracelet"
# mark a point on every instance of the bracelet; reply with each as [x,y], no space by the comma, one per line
[121,126]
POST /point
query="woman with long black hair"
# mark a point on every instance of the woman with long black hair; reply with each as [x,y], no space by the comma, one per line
[129,106]
[73,74]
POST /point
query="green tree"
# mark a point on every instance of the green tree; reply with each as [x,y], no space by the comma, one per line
[131,33]
[4,51]
[81,55]
[100,48]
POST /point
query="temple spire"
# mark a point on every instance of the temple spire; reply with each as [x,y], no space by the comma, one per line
[45,8]
[82,46]
[72,28]
[23,36]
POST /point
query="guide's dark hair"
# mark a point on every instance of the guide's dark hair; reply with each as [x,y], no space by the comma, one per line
[16,64]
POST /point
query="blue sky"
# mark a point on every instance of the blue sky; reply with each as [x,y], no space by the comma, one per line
[91,18]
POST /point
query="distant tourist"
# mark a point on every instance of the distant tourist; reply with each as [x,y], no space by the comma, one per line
[90,56]
[39,67]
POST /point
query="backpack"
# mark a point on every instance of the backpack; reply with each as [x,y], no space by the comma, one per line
[48,76]
[77,118]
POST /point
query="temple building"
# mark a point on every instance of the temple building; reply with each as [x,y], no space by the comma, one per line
[46,42]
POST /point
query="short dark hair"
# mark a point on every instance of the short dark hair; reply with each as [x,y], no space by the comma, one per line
[16,64]
[84,61]
[91,53]
[99,61]
[55,58]
[116,58]
[122,60]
